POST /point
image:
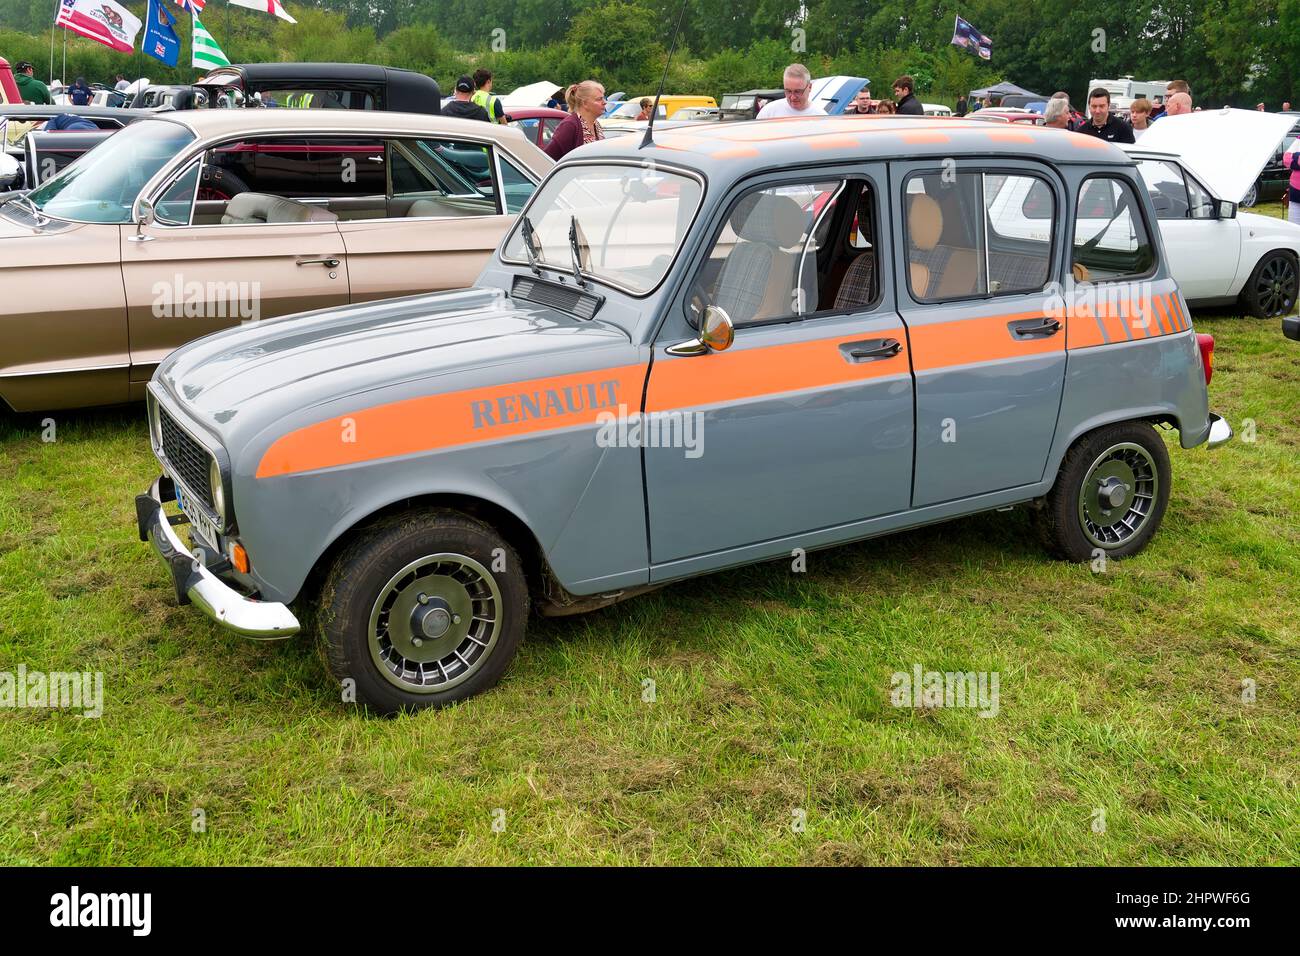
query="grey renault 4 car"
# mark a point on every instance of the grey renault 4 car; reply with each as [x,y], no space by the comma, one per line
[742,340]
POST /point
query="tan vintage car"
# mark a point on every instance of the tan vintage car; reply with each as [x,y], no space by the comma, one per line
[187,223]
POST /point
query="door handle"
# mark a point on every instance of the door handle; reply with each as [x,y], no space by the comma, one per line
[327,261]
[870,349]
[1043,326]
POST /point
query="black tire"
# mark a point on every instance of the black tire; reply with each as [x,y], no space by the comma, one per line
[1273,286]
[1128,460]
[396,585]
[1252,195]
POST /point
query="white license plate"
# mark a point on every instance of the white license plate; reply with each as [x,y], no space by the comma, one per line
[201,523]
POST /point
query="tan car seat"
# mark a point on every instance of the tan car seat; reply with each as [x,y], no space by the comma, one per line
[757,278]
[263,207]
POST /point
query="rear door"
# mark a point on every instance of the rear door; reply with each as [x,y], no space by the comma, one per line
[804,425]
[443,207]
[988,348]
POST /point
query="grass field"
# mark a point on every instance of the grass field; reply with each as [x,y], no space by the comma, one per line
[771,737]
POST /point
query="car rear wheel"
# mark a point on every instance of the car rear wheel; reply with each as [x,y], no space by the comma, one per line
[1252,195]
[1272,288]
[421,611]
[1110,494]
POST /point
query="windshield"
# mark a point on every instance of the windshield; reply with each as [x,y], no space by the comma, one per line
[631,220]
[103,187]
[629,110]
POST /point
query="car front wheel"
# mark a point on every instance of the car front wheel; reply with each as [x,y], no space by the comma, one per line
[1110,494]
[1252,196]
[422,610]
[1272,288]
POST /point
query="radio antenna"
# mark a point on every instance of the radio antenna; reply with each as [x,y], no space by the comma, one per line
[649,139]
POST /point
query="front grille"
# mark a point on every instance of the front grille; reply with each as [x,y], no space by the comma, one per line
[188,459]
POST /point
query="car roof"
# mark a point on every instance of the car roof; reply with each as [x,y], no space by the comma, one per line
[220,122]
[732,150]
[18,111]
[310,71]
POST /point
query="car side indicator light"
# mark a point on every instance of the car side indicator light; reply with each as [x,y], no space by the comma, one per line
[239,558]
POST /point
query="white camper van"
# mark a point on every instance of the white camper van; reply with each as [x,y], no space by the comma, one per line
[1126,89]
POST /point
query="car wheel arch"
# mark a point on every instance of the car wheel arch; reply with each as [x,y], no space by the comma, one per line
[509,525]
[1161,417]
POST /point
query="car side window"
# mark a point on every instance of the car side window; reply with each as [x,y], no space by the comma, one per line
[1166,187]
[1201,202]
[764,263]
[176,203]
[1110,236]
[968,234]
[438,177]
[515,185]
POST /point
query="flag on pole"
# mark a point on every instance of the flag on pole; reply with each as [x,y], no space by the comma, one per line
[103,21]
[266,6]
[206,52]
[965,35]
[160,39]
[192,6]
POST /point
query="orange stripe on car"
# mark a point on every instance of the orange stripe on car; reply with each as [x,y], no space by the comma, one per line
[738,374]
[967,341]
[462,417]
[1162,310]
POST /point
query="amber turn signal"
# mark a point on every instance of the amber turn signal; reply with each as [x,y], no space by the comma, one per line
[239,558]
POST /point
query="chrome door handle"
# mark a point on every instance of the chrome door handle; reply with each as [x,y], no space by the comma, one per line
[328,261]
[870,349]
[1044,326]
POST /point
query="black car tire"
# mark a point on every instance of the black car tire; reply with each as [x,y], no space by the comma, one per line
[386,566]
[1251,197]
[1273,286]
[1065,522]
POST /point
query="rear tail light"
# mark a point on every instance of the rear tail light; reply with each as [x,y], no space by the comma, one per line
[1206,343]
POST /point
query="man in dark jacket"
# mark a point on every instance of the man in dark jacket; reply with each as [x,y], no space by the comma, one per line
[1102,123]
[461,106]
[908,104]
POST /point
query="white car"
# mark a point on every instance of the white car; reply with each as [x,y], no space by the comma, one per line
[1197,168]
[936,109]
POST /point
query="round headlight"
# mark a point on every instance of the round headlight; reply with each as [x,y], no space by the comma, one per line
[218,491]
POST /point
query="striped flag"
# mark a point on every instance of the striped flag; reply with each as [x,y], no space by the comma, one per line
[273,7]
[206,51]
[193,6]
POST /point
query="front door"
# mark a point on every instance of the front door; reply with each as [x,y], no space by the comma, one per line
[988,342]
[805,423]
[185,279]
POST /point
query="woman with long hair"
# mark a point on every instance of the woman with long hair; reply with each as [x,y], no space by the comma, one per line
[586,102]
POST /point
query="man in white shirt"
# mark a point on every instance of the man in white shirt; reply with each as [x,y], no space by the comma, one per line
[121,83]
[798,87]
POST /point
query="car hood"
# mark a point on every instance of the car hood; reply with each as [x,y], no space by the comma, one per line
[1226,148]
[371,353]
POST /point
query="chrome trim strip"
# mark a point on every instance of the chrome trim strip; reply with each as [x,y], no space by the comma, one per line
[66,371]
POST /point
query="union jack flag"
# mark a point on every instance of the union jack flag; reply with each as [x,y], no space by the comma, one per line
[193,6]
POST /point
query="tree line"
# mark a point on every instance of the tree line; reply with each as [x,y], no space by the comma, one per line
[1235,52]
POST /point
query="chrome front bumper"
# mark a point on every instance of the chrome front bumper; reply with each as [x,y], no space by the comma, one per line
[195,584]
[1220,432]
[1291,327]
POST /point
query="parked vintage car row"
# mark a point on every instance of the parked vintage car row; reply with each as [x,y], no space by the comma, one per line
[846,333]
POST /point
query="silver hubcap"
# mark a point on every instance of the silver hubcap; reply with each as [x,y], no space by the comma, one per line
[434,623]
[1118,495]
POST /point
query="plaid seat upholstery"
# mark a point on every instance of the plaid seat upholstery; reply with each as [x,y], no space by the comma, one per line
[855,290]
[953,271]
[742,283]
[1012,272]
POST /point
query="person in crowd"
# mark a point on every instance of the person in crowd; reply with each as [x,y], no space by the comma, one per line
[484,98]
[80,93]
[462,106]
[121,83]
[586,102]
[1286,106]
[904,96]
[556,102]
[1140,116]
[1076,118]
[1178,104]
[1157,107]
[1178,86]
[1057,113]
[647,105]
[886,108]
[862,104]
[1291,162]
[66,121]
[797,83]
[1259,107]
[1102,123]
[30,88]
[963,106]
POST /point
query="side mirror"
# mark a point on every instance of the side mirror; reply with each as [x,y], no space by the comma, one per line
[716,334]
[144,217]
[1225,210]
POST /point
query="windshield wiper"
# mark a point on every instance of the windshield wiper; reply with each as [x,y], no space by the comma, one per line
[574,250]
[22,200]
[530,245]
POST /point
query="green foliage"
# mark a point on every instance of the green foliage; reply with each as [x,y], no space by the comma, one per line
[1230,51]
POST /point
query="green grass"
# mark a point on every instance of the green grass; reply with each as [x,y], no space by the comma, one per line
[1119,691]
